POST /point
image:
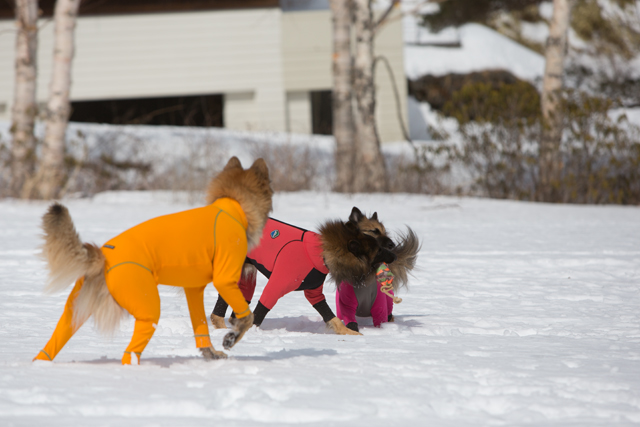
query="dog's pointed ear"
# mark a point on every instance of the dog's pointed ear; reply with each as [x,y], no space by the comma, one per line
[374,217]
[260,167]
[356,215]
[355,247]
[233,163]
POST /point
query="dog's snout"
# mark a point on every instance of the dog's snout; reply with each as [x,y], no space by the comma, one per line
[389,244]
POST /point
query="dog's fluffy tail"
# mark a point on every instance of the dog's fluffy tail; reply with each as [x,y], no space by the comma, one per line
[407,253]
[68,260]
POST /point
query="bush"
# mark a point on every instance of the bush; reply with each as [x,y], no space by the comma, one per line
[5,168]
[499,127]
[500,130]
[112,162]
[600,155]
[294,167]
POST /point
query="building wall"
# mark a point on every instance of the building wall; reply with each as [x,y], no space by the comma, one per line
[7,72]
[264,61]
[152,55]
[307,50]
[299,112]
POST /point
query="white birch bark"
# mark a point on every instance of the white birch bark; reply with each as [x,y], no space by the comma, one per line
[51,169]
[556,50]
[25,108]
[370,169]
[343,127]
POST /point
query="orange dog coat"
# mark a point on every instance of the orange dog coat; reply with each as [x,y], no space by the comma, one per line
[188,249]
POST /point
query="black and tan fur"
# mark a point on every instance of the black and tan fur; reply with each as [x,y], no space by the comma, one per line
[406,251]
[349,254]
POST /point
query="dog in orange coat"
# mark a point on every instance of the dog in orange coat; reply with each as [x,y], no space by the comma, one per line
[187,249]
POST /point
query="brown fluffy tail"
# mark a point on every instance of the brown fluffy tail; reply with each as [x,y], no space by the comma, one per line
[407,253]
[68,260]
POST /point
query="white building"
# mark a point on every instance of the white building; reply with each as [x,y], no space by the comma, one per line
[268,62]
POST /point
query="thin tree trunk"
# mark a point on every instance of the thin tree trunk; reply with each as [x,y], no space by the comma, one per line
[51,170]
[25,109]
[371,173]
[343,127]
[556,50]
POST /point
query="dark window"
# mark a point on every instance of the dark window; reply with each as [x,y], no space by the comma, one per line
[204,110]
[321,113]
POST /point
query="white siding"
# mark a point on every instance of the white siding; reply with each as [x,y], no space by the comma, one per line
[254,57]
[149,55]
[7,47]
[307,50]
[389,43]
[299,112]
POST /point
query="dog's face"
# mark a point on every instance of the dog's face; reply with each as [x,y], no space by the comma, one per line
[349,254]
[367,247]
[372,227]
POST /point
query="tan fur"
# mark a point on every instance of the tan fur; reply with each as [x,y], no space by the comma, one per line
[212,354]
[338,327]
[240,326]
[251,188]
[67,257]
[217,322]
[368,225]
[68,260]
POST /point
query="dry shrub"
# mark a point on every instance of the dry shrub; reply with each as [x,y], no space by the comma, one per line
[5,168]
[113,162]
[428,171]
[599,156]
[294,167]
[191,173]
[119,160]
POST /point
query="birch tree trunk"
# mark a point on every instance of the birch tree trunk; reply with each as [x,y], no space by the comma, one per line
[343,127]
[51,169]
[371,173]
[25,109]
[556,50]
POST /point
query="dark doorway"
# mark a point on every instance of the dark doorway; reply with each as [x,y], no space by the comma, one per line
[321,113]
[203,110]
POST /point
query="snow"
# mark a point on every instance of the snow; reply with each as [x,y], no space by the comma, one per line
[481,49]
[518,314]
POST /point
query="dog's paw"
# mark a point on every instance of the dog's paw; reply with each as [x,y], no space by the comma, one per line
[240,326]
[210,353]
[391,318]
[229,340]
[338,327]
[218,322]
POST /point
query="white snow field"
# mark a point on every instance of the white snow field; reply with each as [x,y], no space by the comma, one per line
[520,314]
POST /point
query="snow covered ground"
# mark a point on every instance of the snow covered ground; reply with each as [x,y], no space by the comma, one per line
[520,314]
